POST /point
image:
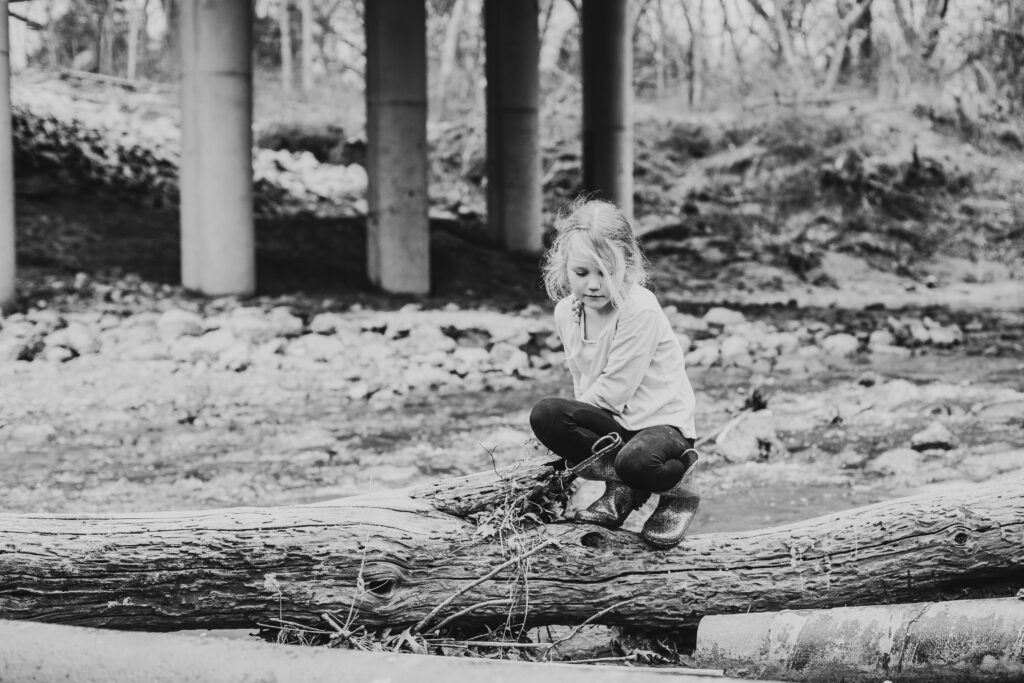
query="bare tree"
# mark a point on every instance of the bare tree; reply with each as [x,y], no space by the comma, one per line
[307,46]
[779,24]
[449,53]
[105,37]
[137,22]
[284,23]
[922,38]
[842,43]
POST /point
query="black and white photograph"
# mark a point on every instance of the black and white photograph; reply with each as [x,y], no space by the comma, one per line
[557,341]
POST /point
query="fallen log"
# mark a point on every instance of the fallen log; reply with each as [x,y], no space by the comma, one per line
[415,557]
[961,640]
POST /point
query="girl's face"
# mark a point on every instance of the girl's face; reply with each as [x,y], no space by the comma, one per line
[588,283]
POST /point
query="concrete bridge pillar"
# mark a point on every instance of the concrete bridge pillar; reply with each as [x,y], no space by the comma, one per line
[218,254]
[607,54]
[513,148]
[398,231]
[7,260]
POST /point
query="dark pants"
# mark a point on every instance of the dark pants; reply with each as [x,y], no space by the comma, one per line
[651,460]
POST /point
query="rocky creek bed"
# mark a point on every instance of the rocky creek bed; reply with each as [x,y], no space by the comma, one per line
[123,394]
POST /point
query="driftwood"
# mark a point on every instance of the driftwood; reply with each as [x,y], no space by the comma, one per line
[418,556]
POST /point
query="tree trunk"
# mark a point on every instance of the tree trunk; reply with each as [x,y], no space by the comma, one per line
[106,38]
[449,56]
[284,25]
[136,35]
[393,558]
[307,46]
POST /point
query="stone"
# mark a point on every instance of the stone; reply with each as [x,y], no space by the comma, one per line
[751,439]
[32,434]
[706,354]
[214,343]
[56,354]
[919,334]
[894,392]
[946,337]
[723,317]
[688,323]
[76,337]
[177,323]
[734,345]
[237,357]
[316,347]
[284,322]
[936,435]
[895,461]
[886,350]
[881,338]
[325,323]
[868,378]
[781,342]
[12,349]
[842,345]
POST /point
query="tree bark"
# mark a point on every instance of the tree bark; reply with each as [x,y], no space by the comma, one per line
[284,26]
[105,49]
[136,35]
[449,56]
[307,46]
[394,557]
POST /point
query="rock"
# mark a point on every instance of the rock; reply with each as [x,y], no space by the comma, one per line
[424,378]
[752,439]
[316,347]
[553,343]
[886,350]
[688,323]
[214,343]
[510,359]
[946,337]
[426,338]
[936,435]
[881,338]
[723,317]
[285,324]
[45,320]
[793,364]
[250,325]
[1002,411]
[237,357]
[76,337]
[469,358]
[739,360]
[32,434]
[896,461]
[706,354]
[12,349]
[56,354]
[842,345]
[732,346]
[684,341]
[919,334]
[895,392]
[177,323]
[325,323]
[781,342]
[361,390]
[868,379]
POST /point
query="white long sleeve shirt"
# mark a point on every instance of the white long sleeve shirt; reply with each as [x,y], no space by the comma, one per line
[634,369]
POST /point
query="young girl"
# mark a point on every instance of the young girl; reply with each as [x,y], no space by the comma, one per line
[628,376]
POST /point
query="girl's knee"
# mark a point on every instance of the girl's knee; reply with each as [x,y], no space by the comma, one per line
[547,412]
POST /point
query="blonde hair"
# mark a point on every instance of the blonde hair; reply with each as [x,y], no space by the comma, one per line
[596,230]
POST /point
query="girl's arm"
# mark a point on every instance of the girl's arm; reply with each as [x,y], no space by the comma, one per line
[629,358]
